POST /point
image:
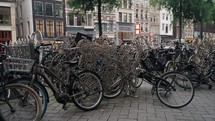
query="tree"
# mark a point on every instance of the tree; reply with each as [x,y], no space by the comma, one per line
[198,11]
[88,5]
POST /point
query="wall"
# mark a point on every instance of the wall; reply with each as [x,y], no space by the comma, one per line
[11,28]
[24,6]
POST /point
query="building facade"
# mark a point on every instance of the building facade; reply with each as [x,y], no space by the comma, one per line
[148,18]
[166,25]
[187,31]
[7,21]
[125,24]
[48,16]
[77,21]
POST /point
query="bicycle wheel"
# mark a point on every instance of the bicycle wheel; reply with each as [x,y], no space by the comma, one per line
[24,102]
[138,82]
[175,90]
[87,90]
[112,90]
[40,89]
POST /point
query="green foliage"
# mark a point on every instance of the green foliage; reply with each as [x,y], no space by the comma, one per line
[86,5]
[196,10]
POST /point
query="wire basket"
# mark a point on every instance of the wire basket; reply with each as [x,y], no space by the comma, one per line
[20,65]
[21,51]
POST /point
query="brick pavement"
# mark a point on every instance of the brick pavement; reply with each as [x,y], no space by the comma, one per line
[145,107]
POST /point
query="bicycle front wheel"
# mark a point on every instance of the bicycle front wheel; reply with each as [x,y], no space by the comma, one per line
[87,90]
[175,90]
[23,104]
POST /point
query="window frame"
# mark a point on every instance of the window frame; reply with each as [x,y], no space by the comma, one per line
[59,11]
[42,12]
[52,34]
[40,24]
[46,9]
[6,16]
[58,33]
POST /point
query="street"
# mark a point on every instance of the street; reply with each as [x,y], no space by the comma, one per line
[143,107]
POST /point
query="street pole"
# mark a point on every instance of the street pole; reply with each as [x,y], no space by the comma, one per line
[180,22]
[99,18]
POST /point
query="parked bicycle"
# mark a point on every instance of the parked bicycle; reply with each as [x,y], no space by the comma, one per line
[83,87]
[17,101]
[172,89]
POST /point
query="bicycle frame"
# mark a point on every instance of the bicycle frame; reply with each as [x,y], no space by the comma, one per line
[45,73]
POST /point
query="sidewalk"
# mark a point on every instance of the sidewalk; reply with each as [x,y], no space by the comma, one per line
[145,107]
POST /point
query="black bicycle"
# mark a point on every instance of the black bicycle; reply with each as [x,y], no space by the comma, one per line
[173,89]
[82,87]
[17,101]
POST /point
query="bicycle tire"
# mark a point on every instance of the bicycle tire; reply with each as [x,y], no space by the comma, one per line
[80,85]
[113,92]
[138,82]
[16,89]
[163,89]
[40,89]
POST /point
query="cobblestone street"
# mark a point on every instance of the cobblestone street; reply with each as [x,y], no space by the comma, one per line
[144,107]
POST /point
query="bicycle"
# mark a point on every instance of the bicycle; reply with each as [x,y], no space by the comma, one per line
[172,89]
[22,103]
[73,85]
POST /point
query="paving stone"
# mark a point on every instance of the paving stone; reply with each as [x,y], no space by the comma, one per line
[145,107]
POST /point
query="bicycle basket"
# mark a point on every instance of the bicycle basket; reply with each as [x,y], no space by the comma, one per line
[18,65]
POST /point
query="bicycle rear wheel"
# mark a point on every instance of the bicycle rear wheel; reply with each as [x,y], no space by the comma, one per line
[87,90]
[175,90]
[24,102]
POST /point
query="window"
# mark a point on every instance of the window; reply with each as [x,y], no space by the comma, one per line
[146,15]
[20,7]
[22,29]
[167,28]
[5,16]
[120,16]
[162,26]
[49,9]
[104,26]
[5,37]
[97,26]
[50,28]
[38,8]
[137,13]
[59,28]
[71,19]
[78,19]
[110,25]
[141,27]
[141,14]
[29,31]
[163,16]
[129,4]
[58,11]
[167,16]
[130,17]
[89,20]
[40,25]
[146,27]
[125,17]
[125,3]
